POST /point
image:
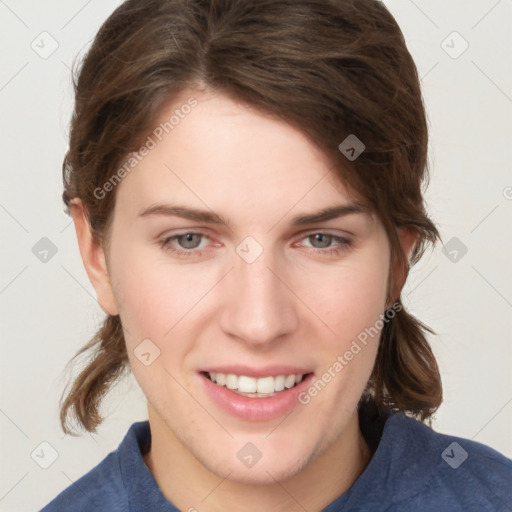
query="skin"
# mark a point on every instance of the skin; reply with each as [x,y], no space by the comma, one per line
[291,306]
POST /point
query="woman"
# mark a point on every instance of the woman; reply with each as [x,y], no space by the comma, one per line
[245,181]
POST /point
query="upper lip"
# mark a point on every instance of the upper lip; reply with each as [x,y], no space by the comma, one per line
[266,371]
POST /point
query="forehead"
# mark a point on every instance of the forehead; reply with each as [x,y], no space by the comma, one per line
[230,158]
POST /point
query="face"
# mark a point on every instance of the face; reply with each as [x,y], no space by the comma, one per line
[215,268]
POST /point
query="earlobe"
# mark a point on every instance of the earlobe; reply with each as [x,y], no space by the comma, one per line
[93,257]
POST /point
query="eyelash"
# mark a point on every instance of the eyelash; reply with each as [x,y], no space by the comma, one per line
[166,244]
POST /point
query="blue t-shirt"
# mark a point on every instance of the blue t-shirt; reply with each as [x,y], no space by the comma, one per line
[413,468]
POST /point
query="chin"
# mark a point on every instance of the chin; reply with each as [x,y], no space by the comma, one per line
[263,472]
[260,474]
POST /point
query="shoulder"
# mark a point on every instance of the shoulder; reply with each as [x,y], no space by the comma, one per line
[453,472]
[98,489]
[416,468]
[104,487]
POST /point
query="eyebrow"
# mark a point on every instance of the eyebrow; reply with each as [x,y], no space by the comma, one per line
[332,212]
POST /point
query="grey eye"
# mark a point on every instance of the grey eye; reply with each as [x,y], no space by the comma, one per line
[189,240]
[323,240]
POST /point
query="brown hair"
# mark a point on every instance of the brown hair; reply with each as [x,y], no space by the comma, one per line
[331,68]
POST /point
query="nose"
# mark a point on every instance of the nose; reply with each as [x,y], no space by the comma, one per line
[258,306]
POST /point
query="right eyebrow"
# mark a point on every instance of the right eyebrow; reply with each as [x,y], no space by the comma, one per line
[185,212]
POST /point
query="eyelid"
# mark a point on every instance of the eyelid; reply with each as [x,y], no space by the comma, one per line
[327,231]
[204,232]
[165,243]
[342,243]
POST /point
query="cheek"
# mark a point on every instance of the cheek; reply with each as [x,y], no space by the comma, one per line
[350,297]
[154,296]
[353,309]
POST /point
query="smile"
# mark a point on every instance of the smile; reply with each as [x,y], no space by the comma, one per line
[255,387]
[263,396]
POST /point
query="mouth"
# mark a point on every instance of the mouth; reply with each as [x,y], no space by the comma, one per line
[256,387]
[256,394]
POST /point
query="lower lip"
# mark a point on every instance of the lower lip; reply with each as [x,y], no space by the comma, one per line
[256,409]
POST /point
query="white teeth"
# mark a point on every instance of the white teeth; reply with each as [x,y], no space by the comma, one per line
[231,381]
[279,382]
[290,381]
[247,384]
[264,386]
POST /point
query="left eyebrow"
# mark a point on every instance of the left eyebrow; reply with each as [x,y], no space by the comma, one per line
[332,212]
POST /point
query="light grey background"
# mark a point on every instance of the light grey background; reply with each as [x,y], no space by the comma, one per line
[48,309]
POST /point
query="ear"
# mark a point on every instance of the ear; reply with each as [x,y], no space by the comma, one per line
[93,257]
[407,239]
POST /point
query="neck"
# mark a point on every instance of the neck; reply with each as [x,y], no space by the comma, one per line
[186,483]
